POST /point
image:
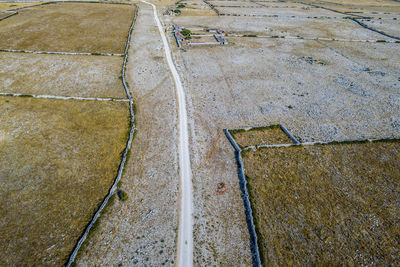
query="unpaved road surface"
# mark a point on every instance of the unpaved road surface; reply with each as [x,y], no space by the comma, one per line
[185,236]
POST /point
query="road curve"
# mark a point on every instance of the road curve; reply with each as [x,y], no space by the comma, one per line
[185,233]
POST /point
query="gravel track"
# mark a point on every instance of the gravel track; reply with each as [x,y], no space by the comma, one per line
[185,235]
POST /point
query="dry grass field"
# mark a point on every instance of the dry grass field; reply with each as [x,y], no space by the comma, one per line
[58,160]
[68,27]
[327,204]
[62,75]
[260,136]
[13,5]
[4,15]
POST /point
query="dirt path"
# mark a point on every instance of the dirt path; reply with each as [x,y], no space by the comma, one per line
[185,234]
[142,231]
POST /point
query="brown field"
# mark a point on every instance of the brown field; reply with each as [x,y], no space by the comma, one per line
[327,204]
[13,5]
[62,75]
[260,136]
[68,27]
[58,159]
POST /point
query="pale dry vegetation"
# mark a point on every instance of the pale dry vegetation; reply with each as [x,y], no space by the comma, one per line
[197,12]
[58,160]
[327,204]
[13,5]
[63,75]
[68,27]
[260,136]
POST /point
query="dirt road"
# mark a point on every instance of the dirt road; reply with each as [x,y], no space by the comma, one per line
[185,235]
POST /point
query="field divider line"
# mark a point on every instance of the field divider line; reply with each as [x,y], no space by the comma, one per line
[333,10]
[60,53]
[184,257]
[289,134]
[354,18]
[255,252]
[61,1]
[23,7]
[6,17]
[309,38]
[66,97]
[242,177]
[277,16]
[125,152]
[323,143]
[373,29]
[212,7]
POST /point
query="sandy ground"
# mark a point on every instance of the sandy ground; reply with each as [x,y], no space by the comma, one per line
[61,75]
[83,27]
[58,160]
[142,230]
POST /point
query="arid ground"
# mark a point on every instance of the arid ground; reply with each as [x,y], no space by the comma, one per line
[328,71]
[58,157]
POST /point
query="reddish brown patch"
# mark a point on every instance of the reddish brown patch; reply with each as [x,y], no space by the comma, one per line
[221,188]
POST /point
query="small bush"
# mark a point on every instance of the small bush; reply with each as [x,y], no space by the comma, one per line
[186,32]
[181,6]
[177,11]
[122,195]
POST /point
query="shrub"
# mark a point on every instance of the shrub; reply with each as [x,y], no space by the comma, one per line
[122,195]
[185,32]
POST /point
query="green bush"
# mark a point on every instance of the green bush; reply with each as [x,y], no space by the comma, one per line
[185,32]
[122,195]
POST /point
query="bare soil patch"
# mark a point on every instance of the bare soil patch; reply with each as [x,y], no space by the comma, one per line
[62,75]
[68,27]
[327,204]
[58,160]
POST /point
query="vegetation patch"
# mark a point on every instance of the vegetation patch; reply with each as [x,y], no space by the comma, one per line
[122,195]
[13,5]
[68,27]
[327,204]
[267,135]
[59,160]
